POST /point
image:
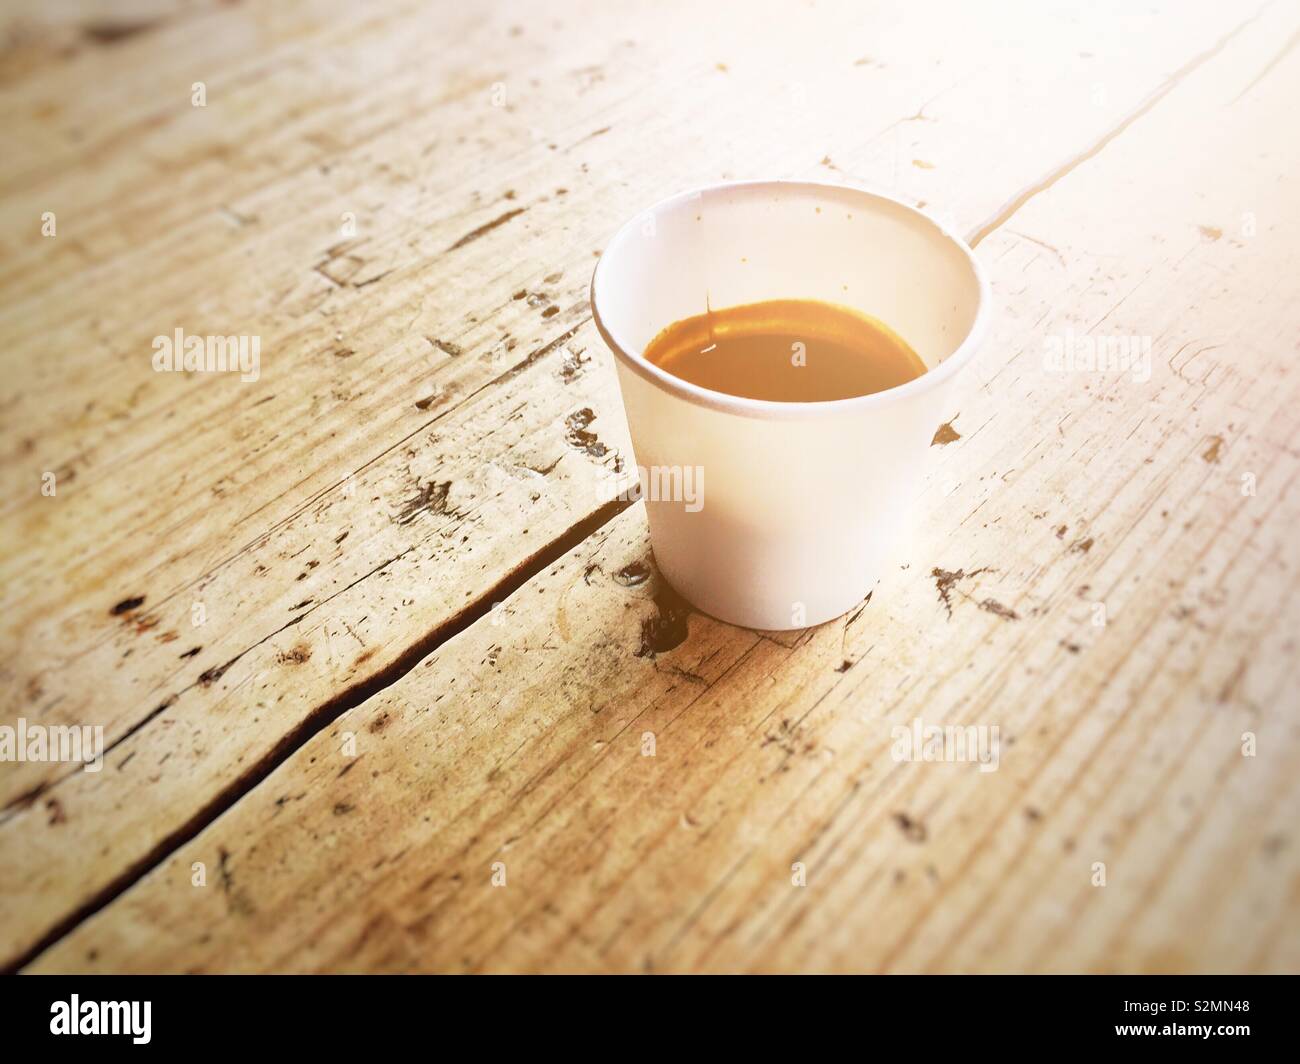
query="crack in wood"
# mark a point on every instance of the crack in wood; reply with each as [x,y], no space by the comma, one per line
[1004,214]
[321,718]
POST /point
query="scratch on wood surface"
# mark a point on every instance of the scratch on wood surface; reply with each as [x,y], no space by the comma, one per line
[1286,48]
[487,227]
[1041,243]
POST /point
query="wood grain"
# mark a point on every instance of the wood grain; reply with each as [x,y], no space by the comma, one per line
[519,742]
[409,437]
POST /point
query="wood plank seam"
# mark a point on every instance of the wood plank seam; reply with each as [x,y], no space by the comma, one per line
[321,718]
[25,799]
[1014,204]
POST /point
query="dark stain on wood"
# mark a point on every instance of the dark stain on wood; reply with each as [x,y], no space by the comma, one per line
[115,32]
[669,627]
[633,574]
[57,815]
[127,605]
[571,367]
[446,346]
[578,436]
[238,900]
[913,830]
[946,579]
[210,676]
[945,434]
[432,498]
[296,656]
[995,607]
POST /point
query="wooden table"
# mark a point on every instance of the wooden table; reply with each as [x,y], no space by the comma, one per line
[366,635]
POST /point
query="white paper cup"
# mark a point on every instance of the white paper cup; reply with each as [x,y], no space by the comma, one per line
[783,515]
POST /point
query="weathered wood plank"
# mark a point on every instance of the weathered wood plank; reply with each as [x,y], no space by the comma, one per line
[521,741]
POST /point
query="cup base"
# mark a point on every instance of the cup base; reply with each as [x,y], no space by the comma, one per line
[758,619]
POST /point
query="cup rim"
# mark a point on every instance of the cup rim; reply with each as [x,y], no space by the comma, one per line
[770,409]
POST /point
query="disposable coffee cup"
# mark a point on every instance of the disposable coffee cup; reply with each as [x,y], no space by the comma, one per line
[776,515]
